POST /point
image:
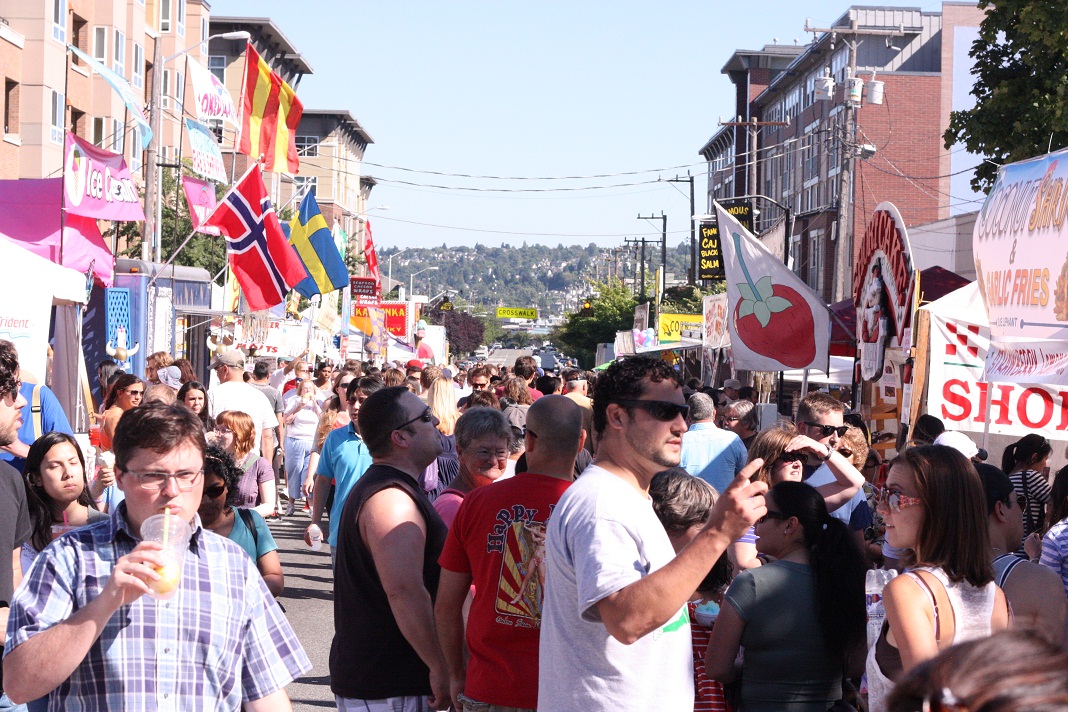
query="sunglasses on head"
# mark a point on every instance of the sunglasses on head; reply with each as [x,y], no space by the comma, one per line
[661,410]
[828,429]
[796,456]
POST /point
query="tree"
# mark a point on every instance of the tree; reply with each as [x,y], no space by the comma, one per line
[613,310]
[687,299]
[1021,86]
[463,331]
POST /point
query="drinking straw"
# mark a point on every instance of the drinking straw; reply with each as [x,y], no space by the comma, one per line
[166,526]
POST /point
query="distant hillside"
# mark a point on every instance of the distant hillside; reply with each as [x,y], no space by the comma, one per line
[549,278]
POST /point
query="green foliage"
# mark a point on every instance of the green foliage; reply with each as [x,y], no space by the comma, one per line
[1021,86]
[203,251]
[613,310]
[491,329]
[517,339]
[687,299]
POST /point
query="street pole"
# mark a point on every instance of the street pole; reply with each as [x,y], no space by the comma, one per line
[693,227]
[152,197]
[663,241]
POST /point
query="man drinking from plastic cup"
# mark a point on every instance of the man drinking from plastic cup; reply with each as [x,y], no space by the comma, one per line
[83,607]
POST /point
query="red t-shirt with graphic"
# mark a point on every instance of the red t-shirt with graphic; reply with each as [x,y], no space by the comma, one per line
[498,537]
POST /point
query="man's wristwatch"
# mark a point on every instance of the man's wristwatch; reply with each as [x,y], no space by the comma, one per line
[830,452]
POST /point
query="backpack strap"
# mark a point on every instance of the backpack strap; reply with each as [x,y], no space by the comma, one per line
[35,409]
[246,517]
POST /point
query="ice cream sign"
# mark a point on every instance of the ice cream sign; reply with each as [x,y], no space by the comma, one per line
[97,183]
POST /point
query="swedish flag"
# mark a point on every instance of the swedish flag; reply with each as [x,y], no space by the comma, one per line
[310,237]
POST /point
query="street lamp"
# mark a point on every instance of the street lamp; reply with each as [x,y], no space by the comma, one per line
[154,185]
[411,278]
[389,262]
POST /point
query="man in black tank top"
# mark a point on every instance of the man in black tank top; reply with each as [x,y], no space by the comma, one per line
[1034,592]
[385,654]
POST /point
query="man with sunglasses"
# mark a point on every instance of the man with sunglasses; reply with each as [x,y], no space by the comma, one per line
[385,655]
[822,419]
[615,634]
[83,608]
[1035,592]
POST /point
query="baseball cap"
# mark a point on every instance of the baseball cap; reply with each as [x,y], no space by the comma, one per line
[414,363]
[232,358]
[732,383]
[170,376]
[959,442]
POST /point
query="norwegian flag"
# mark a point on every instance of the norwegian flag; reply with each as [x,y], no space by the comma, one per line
[260,256]
[371,256]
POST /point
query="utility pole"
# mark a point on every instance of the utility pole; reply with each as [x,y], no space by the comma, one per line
[693,227]
[663,240]
[152,196]
[753,126]
[640,241]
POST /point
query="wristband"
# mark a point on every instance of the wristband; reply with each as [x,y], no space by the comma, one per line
[830,453]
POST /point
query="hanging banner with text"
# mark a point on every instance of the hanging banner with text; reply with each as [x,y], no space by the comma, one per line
[207,157]
[516,313]
[97,183]
[200,195]
[676,327]
[1020,242]
[396,317]
[709,251]
[958,394]
[213,100]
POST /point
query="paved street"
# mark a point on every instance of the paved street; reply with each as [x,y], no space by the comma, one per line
[308,600]
[507,357]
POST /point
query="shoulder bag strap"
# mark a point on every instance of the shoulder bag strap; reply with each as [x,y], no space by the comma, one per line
[246,517]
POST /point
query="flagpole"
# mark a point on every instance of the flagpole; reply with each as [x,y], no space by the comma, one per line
[170,260]
[63,156]
[178,177]
[241,123]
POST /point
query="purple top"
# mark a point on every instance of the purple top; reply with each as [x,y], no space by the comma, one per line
[257,470]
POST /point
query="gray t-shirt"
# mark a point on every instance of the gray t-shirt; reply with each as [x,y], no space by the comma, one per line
[786,666]
[602,537]
[272,395]
[15,527]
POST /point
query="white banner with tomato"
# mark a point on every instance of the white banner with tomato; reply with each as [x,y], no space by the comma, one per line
[776,321]
[1020,245]
[959,345]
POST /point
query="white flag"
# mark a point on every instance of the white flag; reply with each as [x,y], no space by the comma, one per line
[213,99]
[776,322]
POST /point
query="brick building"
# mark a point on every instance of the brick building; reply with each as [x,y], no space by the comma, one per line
[11,50]
[811,159]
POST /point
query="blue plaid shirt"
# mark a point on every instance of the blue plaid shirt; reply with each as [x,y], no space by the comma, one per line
[220,641]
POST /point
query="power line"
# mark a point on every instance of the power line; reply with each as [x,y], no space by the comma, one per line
[526,234]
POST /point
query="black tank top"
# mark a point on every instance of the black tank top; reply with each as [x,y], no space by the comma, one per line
[369,657]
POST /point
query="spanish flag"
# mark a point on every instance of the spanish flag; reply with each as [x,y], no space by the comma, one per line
[270,114]
[311,238]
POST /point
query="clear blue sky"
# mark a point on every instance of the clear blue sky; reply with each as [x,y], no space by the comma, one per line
[536,89]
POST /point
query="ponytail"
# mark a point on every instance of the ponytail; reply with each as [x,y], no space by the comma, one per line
[837,564]
[1008,458]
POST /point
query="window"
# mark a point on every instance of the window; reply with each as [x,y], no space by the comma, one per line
[216,126]
[166,93]
[179,89]
[120,54]
[11,106]
[179,6]
[165,15]
[136,155]
[204,35]
[59,20]
[118,136]
[97,135]
[303,185]
[816,264]
[100,44]
[58,106]
[307,145]
[138,66]
[217,66]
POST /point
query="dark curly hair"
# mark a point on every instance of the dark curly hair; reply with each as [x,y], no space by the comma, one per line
[624,380]
[220,463]
[9,367]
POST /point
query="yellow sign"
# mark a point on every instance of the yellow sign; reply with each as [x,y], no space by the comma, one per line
[516,313]
[669,327]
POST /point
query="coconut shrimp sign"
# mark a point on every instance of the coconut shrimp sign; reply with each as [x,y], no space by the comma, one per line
[97,183]
[1020,245]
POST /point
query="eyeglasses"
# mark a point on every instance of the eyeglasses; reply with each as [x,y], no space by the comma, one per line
[661,410]
[1021,501]
[156,481]
[491,454]
[214,491]
[895,501]
[426,416]
[13,394]
[475,385]
[730,419]
[796,456]
[133,394]
[772,514]
[828,429]
[220,430]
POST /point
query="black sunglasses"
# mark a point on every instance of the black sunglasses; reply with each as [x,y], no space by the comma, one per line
[772,514]
[661,410]
[828,429]
[214,491]
[795,456]
[426,416]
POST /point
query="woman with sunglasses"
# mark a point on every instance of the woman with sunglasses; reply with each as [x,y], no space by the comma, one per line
[219,512]
[127,392]
[57,492]
[194,396]
[801,618]
[235,433]
[301,418]
[1024,462]
[784,453]
[934,507]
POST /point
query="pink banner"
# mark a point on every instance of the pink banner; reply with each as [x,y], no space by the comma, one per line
[200,195]
[30,215]
[97,183]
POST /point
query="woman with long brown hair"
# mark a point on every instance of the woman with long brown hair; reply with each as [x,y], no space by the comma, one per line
[235,432]
[127,392]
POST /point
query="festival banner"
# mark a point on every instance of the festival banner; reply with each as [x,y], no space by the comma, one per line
[676,327]
[122,87]
[200,196]
[212,98]
[1020,242]
[207,157]
[776,322]
[958,393]
[883,287]
[714,310]
[396,317]
[97,183]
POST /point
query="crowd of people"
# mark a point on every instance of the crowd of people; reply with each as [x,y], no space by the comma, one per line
[504,540]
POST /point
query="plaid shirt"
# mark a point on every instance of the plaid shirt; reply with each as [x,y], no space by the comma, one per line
[220,641]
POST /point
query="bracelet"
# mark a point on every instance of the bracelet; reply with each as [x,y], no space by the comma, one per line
[830,453]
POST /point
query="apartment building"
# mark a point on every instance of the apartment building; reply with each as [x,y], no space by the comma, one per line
[828,169]
[11,51]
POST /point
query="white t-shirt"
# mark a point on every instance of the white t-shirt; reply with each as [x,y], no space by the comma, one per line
[603,536]
[306,421]
[242,397]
